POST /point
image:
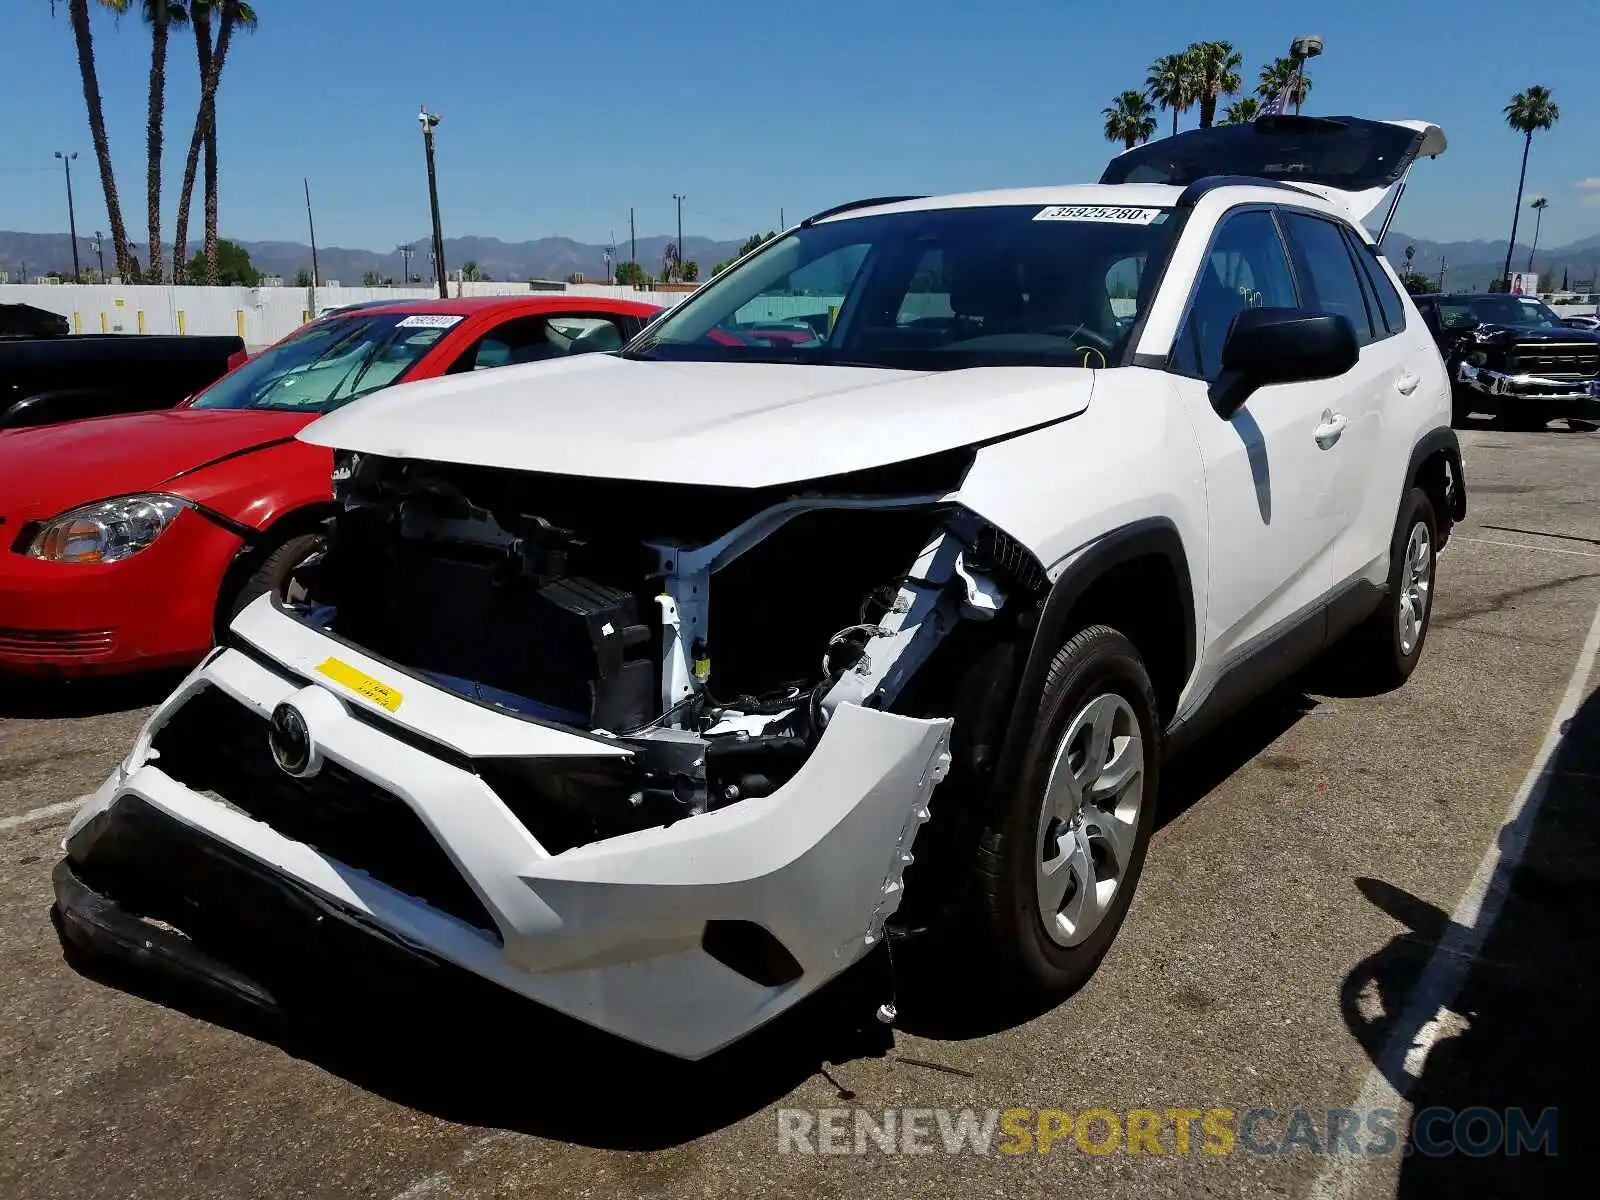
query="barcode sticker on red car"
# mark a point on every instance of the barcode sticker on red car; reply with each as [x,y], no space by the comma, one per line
[428,321]
[1113,214]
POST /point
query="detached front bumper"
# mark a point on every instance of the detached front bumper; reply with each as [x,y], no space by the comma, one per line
[683,938]
[1536,390]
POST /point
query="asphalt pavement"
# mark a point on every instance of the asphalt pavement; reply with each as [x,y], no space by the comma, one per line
[1304,895]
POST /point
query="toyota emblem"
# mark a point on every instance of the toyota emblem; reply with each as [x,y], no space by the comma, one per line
[289,739]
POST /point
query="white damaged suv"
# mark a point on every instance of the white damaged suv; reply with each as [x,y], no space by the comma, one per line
[868,588]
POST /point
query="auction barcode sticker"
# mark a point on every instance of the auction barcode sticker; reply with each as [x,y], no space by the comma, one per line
[428,321]
[1113,214]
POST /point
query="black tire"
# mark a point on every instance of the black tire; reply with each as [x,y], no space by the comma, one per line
[269,572]
[1378,655]
[1095,663]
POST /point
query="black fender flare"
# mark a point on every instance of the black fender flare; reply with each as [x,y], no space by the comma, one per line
[1441,438]
[1152,536]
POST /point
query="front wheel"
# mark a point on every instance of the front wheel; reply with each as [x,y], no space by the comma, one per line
[1057,867]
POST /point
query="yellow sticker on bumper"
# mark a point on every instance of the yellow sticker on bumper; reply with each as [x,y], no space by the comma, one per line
[361,684]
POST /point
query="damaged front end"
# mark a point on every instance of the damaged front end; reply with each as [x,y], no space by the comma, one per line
[654,755]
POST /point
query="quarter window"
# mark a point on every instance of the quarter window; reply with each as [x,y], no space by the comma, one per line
[1245,268]
[1390,307]
[1325,265]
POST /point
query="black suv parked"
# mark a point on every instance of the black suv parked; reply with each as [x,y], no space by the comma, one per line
[1513,357]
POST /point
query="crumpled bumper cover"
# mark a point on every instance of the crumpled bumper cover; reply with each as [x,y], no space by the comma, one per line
[617,933]
[1530,387]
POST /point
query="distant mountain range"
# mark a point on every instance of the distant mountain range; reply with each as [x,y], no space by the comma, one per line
[1471,265]
[545,258]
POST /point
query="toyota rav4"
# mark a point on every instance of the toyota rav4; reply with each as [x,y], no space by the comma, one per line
[662,687]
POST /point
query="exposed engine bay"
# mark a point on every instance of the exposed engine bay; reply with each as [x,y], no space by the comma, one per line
[713,631]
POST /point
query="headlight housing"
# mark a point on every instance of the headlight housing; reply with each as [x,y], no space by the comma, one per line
[107,531]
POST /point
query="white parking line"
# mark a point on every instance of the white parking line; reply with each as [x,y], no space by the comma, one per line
[1428,1016]
[1460,537]
[38,814]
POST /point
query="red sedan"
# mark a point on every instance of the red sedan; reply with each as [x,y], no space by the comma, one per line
[128,542]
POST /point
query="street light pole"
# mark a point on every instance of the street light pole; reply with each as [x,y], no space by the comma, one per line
[72,215]
[100,253]
[1303,47]
[429,121]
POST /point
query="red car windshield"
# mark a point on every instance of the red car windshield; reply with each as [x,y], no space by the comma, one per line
[330,363]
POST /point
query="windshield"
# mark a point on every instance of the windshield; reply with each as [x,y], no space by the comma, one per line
[329,363]
[1467,312]
[1059,285]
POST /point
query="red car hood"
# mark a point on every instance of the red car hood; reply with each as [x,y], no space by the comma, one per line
[49,469]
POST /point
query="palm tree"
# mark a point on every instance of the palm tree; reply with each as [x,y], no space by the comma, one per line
[161,16]
[1129,120]
[1538,207]
[1283,75]
[1527,113]
[1216,73]
[469,270]
[211,58]
[78,15]
[1171,84]
[1241,112]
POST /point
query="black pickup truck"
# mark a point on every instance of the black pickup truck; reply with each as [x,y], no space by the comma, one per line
[49,375]
[1511,356]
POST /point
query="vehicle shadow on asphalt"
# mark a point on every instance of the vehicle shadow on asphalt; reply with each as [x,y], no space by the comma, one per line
[53,699]
[1513,1037]
[469,1052]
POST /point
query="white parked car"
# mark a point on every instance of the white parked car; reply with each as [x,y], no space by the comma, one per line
[869,587]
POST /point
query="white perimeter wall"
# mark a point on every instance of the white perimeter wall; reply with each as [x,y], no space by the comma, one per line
[259,315]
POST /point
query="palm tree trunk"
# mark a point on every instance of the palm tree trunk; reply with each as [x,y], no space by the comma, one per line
[1174,122]
[158,102]
[1527,144]
[78,13]
[210,63]
[224,37]
[1538,224]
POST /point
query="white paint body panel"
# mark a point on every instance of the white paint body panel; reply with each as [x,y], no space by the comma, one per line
[732,424]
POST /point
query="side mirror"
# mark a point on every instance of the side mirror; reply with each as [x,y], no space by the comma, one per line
[1281,345]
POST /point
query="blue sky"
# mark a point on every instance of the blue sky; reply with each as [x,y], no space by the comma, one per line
[558,117]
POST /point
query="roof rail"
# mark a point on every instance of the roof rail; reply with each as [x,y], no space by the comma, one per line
[869,202]
[1201,187]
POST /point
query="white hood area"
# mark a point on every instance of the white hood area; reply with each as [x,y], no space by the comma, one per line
[730,424]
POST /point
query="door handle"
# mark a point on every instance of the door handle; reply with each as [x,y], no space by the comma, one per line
[1332,426]
[1407,383]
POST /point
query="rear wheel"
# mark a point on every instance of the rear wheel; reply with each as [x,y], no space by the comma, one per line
[1057,867]
[1387,646]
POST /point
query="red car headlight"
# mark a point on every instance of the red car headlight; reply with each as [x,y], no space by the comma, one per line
[106,531]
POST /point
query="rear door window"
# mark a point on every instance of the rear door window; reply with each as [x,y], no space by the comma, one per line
[1324,263]
[540,337]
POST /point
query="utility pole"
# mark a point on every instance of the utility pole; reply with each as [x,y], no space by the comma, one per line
[781,225]
[633,242]
[429,121]
[679,199]
[406,251]
[99,252]
[1444,267]
[72,216]
[312,225]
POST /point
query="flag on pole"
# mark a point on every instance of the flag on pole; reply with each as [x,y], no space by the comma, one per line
[1276,104]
